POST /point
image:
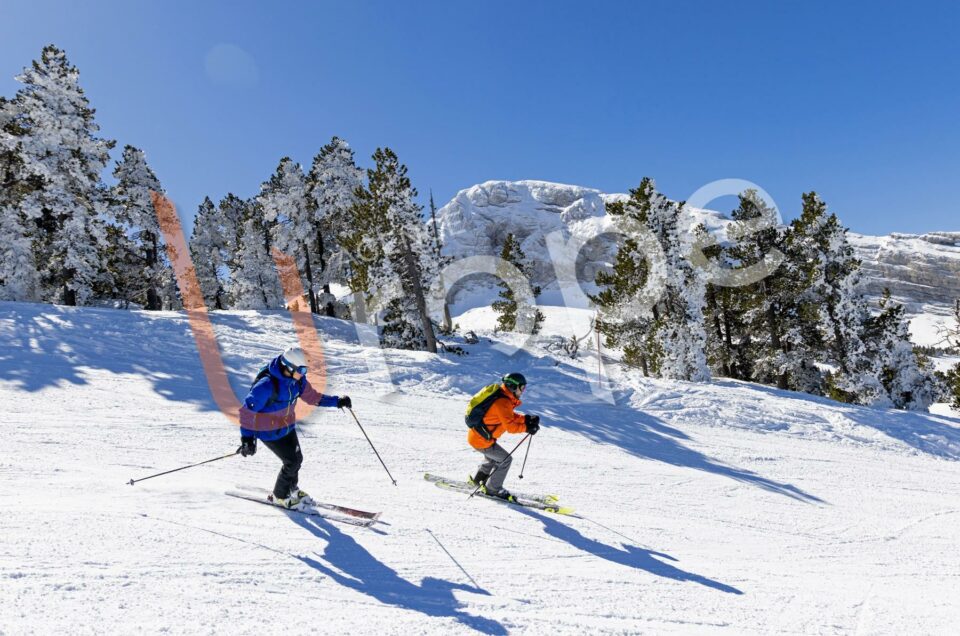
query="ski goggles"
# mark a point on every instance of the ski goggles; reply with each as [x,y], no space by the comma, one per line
[293,369]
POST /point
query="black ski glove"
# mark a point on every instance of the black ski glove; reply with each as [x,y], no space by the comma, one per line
[344,402]
[248,446]
[533,423]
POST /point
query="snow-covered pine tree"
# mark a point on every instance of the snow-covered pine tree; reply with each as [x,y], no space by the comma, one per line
[508,308]
[19,279]
[620,328]
[207,245]
[952,378]
[332,186]
[669,338]
[232,215]
[819,242]
[952,337]
[681,334]
[286,208]
[774,344]
[906,377]
[723,315]
[254,283]
[58,147]
[153,278]
[395,254]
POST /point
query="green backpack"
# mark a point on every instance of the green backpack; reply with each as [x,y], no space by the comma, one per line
[478,407]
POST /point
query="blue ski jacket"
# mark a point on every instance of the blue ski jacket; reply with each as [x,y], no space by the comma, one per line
[269,416]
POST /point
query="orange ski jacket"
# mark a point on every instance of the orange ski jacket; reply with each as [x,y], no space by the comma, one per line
[500,419]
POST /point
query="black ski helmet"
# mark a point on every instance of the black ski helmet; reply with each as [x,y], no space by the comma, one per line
[514,381]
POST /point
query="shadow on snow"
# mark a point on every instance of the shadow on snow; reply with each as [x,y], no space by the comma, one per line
[349,564]
[630,556]
[646,436]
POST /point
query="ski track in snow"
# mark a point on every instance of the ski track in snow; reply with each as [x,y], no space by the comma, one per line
[716,507]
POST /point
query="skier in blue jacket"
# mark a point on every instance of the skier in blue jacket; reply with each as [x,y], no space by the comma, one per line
[268,414]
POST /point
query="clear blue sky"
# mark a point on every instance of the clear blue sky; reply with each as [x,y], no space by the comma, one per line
[859,101]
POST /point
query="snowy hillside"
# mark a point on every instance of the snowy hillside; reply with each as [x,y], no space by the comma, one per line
[704,508]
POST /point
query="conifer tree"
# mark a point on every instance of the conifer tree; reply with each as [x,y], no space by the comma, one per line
[668,339]
[394,261]
[723,316]
[778,335]
[905,376]
[628,276]
[332,185]
[19,279]
[252,281]
[132,208]
[819,243]
[951,336]
[953,385]
[207,245]
[509,308]
[58,148]
[286,208]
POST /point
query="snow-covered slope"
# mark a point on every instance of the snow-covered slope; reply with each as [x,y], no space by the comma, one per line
[718,507]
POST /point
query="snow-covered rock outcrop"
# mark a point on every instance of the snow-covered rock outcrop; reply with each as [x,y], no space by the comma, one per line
[921,269]
[478,219]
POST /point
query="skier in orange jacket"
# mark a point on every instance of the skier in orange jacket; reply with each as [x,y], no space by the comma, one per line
[500,418]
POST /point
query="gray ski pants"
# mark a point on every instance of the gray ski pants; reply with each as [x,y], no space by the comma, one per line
[491,457]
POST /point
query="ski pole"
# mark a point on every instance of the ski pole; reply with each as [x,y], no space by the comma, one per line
[167,472]
[372,446]
[525,455]
[495,468]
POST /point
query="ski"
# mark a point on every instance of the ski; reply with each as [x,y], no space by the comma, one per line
[364,522]
[544,499]
[538,502]
[353,512]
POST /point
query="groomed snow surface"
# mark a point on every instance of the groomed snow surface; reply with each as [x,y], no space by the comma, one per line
[717,507]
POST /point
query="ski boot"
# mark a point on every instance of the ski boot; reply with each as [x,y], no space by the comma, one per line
[295,499]
[479,479]
[503,493]
[285,502]
[301,496]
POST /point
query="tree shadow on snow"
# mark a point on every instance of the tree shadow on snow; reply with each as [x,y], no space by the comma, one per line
[644,435]
[631,556]
[51,345]
[349,564]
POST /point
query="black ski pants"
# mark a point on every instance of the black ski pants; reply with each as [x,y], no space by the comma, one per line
[287,448]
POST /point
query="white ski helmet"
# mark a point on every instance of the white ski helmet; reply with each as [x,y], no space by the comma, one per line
[294,359]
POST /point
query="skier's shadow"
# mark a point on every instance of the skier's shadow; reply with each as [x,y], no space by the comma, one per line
[630,556]
[351,565]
